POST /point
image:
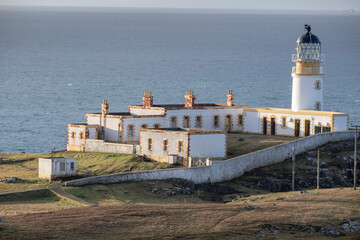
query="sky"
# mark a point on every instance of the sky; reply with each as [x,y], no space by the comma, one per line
[212,4]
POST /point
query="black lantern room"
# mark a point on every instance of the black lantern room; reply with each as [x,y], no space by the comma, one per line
[308,47]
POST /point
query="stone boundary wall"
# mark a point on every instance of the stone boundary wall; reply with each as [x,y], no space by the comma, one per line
[225,170]
[94,145]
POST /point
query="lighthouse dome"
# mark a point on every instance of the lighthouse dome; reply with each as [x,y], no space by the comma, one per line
[308,47]
[308,38]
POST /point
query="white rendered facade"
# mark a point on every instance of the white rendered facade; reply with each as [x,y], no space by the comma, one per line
[306,116]
[51,168]
[185,143]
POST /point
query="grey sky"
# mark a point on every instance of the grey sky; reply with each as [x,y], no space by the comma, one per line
[215,4]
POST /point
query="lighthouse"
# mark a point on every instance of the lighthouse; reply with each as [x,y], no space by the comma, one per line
[307,86]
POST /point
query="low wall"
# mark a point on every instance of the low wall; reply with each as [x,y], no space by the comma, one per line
[94,145]
[225,170]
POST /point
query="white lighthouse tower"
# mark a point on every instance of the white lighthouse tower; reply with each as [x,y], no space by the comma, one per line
[307,87]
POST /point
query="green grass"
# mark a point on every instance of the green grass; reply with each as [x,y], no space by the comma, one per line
[33,196]
[131,193]
[25,165]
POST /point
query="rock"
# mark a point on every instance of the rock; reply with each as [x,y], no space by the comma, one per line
[304,192]
[334,148]
[330,231]
[312,154]
[311,230]
[351,226]
[216,188]
[323,165]
[154,190]
[11,180]
[248,207]
[240,139]
[177,182]
[272,185]
[280,198]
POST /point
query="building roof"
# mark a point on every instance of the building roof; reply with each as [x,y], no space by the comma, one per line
[308,37]
[290,111]
[182,130]
[182,106]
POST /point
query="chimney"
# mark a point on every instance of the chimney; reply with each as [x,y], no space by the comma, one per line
[230,98]
[189,99]
[104,108]
[147,99]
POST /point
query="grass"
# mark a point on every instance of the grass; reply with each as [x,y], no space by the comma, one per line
[131,193]
[241,143]
[196,221]
[24,166]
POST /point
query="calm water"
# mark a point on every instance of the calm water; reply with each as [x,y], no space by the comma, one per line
[57,65]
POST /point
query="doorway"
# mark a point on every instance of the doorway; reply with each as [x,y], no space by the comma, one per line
[264,125]
[228,124]
[297,127]
[186,123]
[273,126]
[307,128]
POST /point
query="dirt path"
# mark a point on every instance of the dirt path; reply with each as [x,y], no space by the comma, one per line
[56,188]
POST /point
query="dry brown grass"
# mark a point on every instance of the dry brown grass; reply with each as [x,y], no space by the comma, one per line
[192,221]
[252,142]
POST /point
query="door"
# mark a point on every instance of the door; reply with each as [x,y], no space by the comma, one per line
[273,126]
[307,128]
[228,123]
[264,125]
[186,122]
[297,127]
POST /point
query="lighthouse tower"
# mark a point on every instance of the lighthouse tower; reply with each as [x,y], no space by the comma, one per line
[307,87]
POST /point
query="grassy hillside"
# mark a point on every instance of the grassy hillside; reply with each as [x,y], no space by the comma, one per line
[278,216]
[24,166]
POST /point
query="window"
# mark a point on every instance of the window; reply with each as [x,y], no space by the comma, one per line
[326,129]
[156,125]
[165,145]
[62,166]
[143,126]
[149,144]
[317,129]
[180,146]
[198,122]
[72,166]
[72,134]
[87,134]
[317,85]
[317,106]
[283,122]
[216,121]
[131,130]
[240,120]
[81,135]
[173,122]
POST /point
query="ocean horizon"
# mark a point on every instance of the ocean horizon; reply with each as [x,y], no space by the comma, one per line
[58,65]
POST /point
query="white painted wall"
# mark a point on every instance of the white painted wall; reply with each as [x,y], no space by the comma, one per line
[304,94]
[92,133]
[157,142]
[253,122]
[145,112]
[207,145]
[137,122]
[112,129]
[76,140]
[45,166]
[340,123]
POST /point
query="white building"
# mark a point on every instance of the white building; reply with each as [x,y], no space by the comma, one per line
[164,143]
[50,168]
[306,117]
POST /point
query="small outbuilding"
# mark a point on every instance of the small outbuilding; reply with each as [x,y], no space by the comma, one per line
[178,145]
[50,168]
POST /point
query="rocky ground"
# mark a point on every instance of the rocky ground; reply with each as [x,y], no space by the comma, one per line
[336,170]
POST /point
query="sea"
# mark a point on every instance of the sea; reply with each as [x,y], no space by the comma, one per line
[57,64]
